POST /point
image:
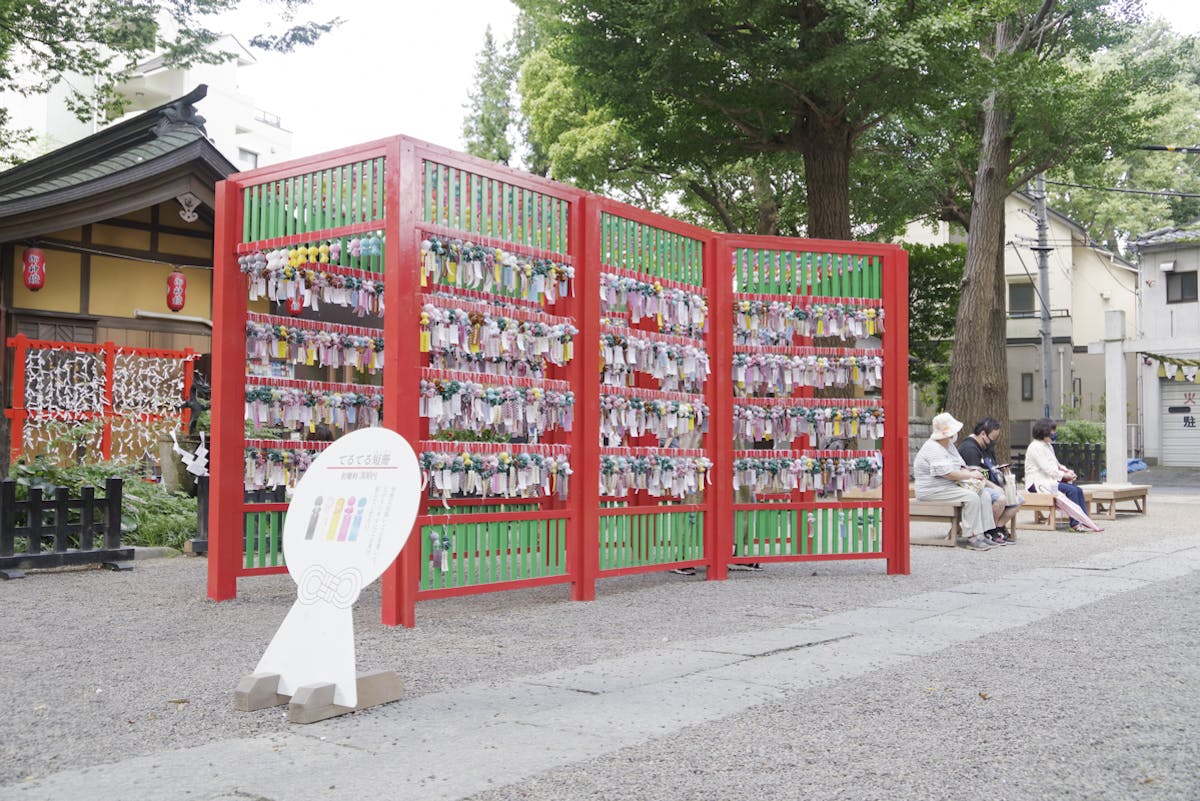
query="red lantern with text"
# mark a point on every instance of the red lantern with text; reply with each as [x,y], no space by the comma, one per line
[34,269]
[176,290]
[295,304]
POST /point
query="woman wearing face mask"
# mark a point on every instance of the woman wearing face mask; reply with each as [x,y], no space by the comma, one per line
[1043,473]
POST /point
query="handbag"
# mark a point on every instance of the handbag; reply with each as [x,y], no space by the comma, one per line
[1011,498]
[973,484]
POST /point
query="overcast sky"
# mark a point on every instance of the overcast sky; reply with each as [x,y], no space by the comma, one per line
[391,68]
[407,69]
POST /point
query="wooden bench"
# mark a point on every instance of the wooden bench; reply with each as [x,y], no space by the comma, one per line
[929,512]
[936,512]
[1043,514]
[1104,499]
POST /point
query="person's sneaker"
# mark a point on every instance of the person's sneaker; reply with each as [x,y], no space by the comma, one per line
[753,566]
[996,537]
[977,543]
[684,571]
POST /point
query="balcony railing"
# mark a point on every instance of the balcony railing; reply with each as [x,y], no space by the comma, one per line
[268,118]
[1025,325]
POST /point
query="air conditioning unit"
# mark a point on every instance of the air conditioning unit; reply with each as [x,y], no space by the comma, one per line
[1167,266]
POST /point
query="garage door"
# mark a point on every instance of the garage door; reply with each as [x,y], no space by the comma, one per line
[1180,430]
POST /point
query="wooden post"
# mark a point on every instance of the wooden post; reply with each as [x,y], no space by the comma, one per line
[402,365]
[719,534]
[895,405]
[113,488]
[228,398]
[61,496]
[87,518]
[110,368]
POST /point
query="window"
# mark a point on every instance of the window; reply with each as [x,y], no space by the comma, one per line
[1020,300]
[1026,386]
[248,158]
[1181,287]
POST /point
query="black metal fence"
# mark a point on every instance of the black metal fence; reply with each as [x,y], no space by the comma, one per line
[1086,459]
[45,532]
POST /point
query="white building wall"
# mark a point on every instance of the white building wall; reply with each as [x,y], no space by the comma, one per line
[1021,260]
[1084,283]
[1102,283]
[1170,329]
[234,122]
[1162,320]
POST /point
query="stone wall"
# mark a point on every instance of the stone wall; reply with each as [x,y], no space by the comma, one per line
[918,432]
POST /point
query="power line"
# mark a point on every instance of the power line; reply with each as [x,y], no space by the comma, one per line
[1163,193]
[1172,148]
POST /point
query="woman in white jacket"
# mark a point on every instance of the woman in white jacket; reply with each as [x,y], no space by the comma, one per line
[1043,473]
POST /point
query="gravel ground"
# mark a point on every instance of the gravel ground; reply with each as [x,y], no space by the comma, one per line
[1060,709]
[99,666]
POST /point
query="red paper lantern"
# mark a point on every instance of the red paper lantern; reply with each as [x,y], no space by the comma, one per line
[295,304]
[176,290]
[34,270]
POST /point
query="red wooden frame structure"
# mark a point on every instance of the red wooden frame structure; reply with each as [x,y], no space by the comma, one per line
[410,193]
[110,411]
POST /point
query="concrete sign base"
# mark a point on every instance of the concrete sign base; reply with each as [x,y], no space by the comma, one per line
[313,702]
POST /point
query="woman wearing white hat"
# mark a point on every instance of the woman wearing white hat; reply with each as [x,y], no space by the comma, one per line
[937,471]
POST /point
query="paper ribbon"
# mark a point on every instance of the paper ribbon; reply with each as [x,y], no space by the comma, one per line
[761,372]
[470,265]
[804,473]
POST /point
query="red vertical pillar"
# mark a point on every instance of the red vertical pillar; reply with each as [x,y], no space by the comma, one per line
[718,522]
[401,352]
[110,367]
[584,537]
[895,409]
[189,370]
[20,347]
[225,497]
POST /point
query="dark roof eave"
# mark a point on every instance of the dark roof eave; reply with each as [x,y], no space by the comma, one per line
[96,147]
[201,151]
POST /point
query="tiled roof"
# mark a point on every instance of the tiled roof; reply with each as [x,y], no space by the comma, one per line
[131,150]
[1169,236]
[131,157]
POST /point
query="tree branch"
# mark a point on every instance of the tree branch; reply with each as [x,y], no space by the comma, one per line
[713,199]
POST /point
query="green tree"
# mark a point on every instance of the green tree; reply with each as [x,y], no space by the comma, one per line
[490,112]
[1114,218]
[44,42]
[1037,95]
[709,89]
[935,275]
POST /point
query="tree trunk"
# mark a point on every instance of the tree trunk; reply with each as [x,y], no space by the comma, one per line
[978,385]
[827,147]
[766,201]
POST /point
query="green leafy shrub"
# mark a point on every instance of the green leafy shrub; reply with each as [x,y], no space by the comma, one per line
[1081,432]
[149,514]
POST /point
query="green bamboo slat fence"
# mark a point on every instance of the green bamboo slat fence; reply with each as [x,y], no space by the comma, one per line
[317,201]
[649,251]
[812,532]
[491,552]
[771,272]
[488,207]
[263,546]
[654,538]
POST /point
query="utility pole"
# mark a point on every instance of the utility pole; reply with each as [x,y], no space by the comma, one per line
[1043,256]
